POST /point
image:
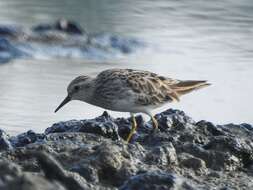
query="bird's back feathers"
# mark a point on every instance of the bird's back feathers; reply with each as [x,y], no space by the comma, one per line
[147,88]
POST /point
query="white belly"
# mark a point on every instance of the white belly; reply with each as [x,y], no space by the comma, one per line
[130,106]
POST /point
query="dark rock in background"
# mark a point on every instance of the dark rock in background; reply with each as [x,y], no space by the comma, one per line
[62,38]
[8,51]
[63,25]
[92,154]
[10,31]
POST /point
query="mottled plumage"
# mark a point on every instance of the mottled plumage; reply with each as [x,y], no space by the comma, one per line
[143,87]
[129,90]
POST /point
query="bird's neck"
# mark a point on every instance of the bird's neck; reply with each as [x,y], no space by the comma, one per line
[87,94]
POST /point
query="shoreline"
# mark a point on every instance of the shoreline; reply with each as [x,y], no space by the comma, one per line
[91,154]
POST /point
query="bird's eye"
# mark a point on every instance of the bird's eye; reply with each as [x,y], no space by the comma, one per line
[76,88]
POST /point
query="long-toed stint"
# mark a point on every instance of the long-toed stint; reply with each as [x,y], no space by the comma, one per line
[128,90]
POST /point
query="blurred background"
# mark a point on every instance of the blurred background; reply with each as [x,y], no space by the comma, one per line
[210,40]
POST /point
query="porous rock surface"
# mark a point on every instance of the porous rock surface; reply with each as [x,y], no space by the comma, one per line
[92,154]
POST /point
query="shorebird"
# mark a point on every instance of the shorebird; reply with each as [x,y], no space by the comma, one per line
[128,90]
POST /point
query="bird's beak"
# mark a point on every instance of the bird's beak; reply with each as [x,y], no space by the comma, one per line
[65,101]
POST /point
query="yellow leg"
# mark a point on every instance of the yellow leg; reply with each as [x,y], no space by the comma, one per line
[155,123]
[134,126]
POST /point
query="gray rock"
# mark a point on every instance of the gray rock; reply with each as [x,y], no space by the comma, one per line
[216,160]
[102,125]
[26,138]
[54,171]
[12,178]
[4,141]
[9,170]
[164,155]
[155,181]
[91,154]
[109,159]
[87,171]
[31,182]
[189,161]
[236,146]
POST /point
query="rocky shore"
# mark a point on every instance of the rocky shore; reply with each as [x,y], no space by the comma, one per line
[92,154]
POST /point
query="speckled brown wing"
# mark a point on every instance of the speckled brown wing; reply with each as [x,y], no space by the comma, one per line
[147,88]
[150,88]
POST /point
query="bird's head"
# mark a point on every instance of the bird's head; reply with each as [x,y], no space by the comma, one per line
[79,89]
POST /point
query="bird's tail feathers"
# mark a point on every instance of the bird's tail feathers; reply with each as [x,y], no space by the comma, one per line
[185,87]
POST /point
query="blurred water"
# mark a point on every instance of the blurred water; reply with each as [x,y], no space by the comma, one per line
[188,40]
